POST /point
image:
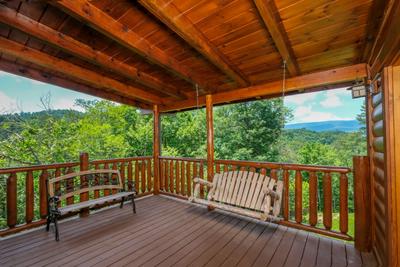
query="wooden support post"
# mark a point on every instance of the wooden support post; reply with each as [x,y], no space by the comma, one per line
[362,203]
[210,138]
[156,148]
[84,166]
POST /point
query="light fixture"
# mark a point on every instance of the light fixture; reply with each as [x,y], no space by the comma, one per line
[358,90]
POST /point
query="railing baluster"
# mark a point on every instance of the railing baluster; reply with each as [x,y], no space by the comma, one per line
[327,214]
[166,174]
[57,185]
[106,181]
[29,197]
[344,208]
[122,174]
[263,171]
[171,176]
[202,177]
[182,178]
[96,193]
[188,180]
[114,177]
[70,187]
[217,168]
[137,176]
[194,164]
[285,194]
[12,200]
[273,174]
[162,174]
[313,208]
[298,197]
[143,176]
[148,178]
[130,175]
[178,181]
[43,194]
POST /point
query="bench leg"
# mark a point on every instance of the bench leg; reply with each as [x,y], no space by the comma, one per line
[48,223]
[56,226]
[210,208]
[122,202]
[133,204]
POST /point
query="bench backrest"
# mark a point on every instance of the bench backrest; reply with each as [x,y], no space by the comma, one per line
[244,189]
[102,179]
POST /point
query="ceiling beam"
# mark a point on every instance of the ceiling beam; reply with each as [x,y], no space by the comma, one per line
[113,29]
[78,49]
[385,50]
[171,16]
[50,78]
[270,16]
[46,61]
[294,84]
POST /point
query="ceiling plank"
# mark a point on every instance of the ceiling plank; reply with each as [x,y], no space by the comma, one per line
[46,77]
[270,16]
[385,50]
[46,61]
[171,16]
[104,23]
[294,84]
[78,49]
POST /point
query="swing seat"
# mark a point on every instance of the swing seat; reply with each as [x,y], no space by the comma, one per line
[246,193]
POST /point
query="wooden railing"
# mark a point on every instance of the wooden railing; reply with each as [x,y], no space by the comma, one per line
[305,204]
[25,203]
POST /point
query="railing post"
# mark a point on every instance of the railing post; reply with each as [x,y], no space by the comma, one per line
[362,203]
[84,166]
[156,148]
[210,137]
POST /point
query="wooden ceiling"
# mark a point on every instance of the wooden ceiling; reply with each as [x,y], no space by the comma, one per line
[158,51]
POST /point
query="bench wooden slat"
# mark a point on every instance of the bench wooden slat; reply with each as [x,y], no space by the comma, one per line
[241,188]
[247,187]
[229,181]
[252,188]
[257,191]
[235,192]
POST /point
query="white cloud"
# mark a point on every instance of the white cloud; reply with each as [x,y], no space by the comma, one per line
[66,104]
[306,114]
[7,104]
[333,98]
[34,82]
[300,98]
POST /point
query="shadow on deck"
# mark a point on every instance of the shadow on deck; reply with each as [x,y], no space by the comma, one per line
[167,232]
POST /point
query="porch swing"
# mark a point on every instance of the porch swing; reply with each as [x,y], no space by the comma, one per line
[243,192]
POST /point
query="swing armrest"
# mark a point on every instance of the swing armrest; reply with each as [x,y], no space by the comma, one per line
[198,180]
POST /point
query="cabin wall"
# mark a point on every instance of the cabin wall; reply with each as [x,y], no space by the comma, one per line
[384,140]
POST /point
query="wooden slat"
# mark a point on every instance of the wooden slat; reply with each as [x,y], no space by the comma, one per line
[327,191]
[122,174]
[171,16]
[183,178]
[234,176]
[143,176]
[96,193]
[260,199]
[272,21]
[83,51]
[75,72]
[202,177]
[313,187]
[130,175]
[171,176]
[114,178]
[247,187]
[298,195]
[12,200]
[137,176]
[43,194]
[188,180]
[344,209]
[148,176]
[115,30]
[162,174]
[29,197]
[285,194]
[166,175]
[177,178]
[70,187]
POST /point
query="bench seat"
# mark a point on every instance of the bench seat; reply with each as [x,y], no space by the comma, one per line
[246,193]
[93,202]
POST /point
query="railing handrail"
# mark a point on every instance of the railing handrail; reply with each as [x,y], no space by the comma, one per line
[102,161]
[38,167]
[182,158]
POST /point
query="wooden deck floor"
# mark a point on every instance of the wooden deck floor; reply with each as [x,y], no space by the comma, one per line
[171,233]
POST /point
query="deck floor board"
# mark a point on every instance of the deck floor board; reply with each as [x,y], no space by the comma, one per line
[166,232]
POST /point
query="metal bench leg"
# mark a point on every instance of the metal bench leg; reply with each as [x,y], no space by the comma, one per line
[48,223]
[56,226]
[122,202]
[133,204]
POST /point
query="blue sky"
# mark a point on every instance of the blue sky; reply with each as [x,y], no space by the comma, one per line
[18,93]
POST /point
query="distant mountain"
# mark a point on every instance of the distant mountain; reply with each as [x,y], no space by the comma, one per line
[323,126]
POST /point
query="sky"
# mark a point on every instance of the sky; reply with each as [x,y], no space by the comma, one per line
[22,94]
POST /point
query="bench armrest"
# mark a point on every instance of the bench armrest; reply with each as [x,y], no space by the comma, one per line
[131,187]
[198,180]
[271,193]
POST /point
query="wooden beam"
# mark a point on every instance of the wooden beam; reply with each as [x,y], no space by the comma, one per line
[50,78]
[385,50]
[156,148]
[113,29]
[78,49]
[171,16]
[270,16]
[317,79]
[96,80]
[210,137]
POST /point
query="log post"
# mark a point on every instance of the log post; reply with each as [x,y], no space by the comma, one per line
[210,138]
[84,166]
[156,148]
[362,203]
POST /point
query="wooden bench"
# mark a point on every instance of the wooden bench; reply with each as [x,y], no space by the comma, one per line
[62,188]
[246,193]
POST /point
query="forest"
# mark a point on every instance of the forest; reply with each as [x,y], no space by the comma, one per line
[246,131]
